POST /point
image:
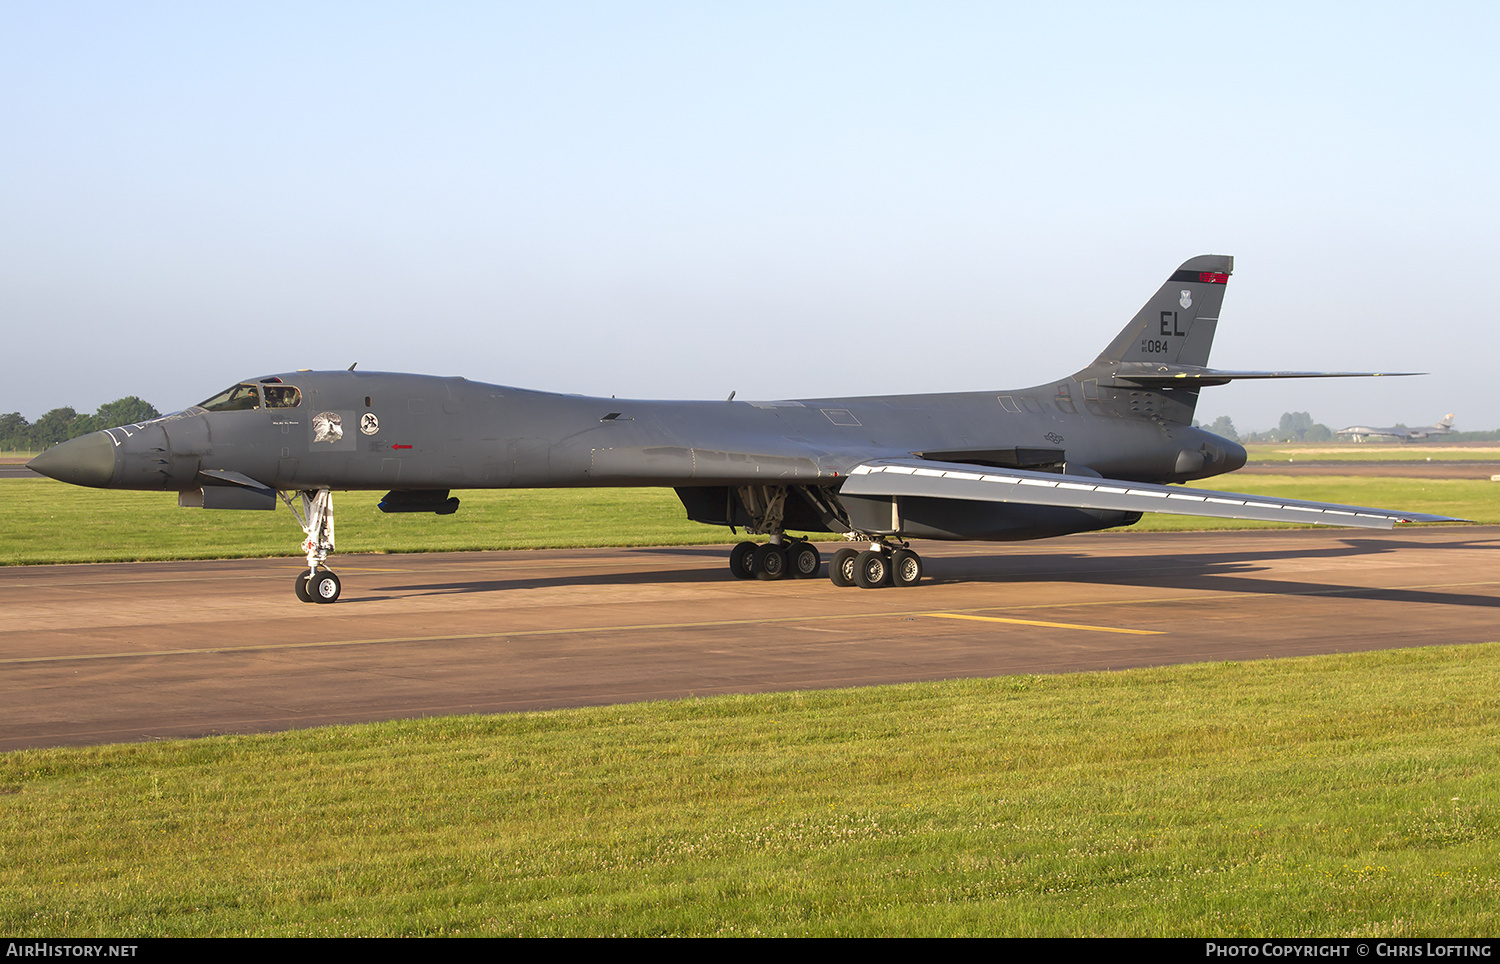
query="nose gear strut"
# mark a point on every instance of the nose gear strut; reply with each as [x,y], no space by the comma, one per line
[315,516]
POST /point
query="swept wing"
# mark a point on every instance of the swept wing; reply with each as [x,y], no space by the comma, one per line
[953,480]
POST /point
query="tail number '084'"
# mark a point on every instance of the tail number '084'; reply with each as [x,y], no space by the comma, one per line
[1154,345]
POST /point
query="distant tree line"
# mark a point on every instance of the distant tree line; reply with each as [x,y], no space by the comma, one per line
[1294,427]
[1299,427]
[61,424]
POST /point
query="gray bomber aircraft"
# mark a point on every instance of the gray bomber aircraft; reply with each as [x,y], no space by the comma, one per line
[1092,450]
[1363,433]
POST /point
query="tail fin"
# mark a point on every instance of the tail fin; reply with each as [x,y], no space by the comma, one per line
[1447,421]
[1158,362]
[1176,327]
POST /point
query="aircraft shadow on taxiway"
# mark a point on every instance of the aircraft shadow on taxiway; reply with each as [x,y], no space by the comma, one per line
[1221,572]
[1229,571]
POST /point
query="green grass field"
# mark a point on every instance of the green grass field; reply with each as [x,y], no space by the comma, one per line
[42,521]
[46,521]
[1338,795]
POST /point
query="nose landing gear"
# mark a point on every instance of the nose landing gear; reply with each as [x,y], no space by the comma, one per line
[317,584]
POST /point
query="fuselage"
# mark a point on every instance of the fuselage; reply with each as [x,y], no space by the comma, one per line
[375,430]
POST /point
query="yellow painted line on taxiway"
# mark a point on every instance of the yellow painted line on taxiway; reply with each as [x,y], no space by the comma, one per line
[1038,622]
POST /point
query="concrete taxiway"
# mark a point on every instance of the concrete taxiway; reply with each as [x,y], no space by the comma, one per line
[14,467]
[123,652]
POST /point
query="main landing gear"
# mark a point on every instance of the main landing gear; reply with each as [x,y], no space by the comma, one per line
[883,564]
[880,565]
[318,584]
[775,560]
[780,558]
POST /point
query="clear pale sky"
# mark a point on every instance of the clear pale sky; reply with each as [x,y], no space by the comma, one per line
[679,199]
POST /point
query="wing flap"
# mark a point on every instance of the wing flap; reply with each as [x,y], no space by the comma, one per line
[948,480]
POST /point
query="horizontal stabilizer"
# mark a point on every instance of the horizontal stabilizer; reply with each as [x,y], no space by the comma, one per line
[940,480]
[1148,375]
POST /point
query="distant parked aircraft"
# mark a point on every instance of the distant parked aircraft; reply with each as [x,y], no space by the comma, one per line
[1361,433]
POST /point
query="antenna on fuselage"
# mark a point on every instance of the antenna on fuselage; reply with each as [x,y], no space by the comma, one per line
[351,367]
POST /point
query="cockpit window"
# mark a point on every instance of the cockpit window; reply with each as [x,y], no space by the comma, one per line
[281,396]
[240,398]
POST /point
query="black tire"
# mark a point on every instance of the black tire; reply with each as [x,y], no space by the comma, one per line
[841,567]
[872,569]
[324,587]
[742,560]
[302,590]
[770,562]
[906,568]
[805,560]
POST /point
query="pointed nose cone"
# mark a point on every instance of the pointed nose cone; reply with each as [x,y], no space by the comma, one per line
[86,460]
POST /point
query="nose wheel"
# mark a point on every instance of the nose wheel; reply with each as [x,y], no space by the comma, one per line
[317,584]
[322,586]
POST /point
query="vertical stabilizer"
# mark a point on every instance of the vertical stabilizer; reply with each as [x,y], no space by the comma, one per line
[1176,327]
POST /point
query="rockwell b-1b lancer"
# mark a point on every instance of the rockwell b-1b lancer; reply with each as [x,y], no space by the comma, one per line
[1092,450]
[1400,433]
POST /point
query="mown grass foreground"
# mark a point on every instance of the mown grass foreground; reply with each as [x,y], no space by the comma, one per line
[1343,795]
[42,521]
